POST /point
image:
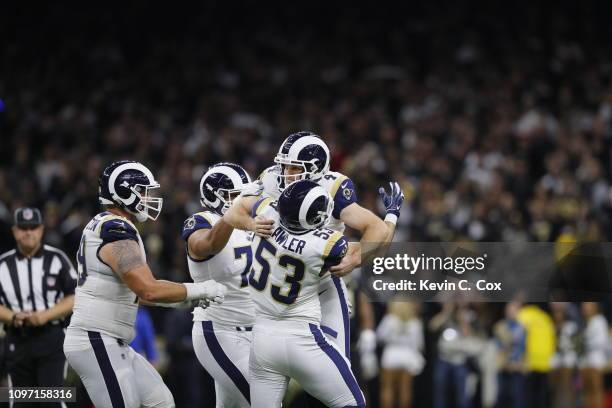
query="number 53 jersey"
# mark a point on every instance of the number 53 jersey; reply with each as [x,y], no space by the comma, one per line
[287,268]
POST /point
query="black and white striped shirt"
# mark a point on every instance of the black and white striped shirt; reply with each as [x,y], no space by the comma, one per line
[36,283]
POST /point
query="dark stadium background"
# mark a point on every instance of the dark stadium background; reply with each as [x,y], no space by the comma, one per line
[496,117]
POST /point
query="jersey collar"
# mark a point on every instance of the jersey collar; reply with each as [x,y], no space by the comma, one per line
[37,254]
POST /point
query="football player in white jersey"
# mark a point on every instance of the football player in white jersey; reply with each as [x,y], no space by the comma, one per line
[215,250]
[288,340]
[305,156]
[113,276]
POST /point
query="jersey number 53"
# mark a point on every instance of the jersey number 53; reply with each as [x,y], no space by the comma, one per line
[295,273]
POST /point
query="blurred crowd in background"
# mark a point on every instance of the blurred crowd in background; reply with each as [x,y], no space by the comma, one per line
[496,120]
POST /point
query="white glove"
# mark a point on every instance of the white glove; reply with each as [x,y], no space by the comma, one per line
[208,290]
[252,189]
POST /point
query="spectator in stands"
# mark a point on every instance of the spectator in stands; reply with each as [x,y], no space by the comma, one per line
[564,361]
[511,336]
[401,332]
[457,343]
[593,360]
[540,348]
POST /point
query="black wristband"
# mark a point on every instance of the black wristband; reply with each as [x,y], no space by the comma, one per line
[13,319]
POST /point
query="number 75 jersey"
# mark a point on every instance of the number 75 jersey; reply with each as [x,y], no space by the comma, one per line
[230,267]
[287,268]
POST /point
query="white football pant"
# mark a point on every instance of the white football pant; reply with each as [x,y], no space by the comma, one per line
[224,354]
[335,313]
[114,375]
[284,349]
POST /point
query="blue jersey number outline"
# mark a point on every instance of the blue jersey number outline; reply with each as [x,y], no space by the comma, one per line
[239,252]
[285,261]
[81,263]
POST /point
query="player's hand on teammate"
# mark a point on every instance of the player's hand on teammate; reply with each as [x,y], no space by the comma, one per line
[392,200]
[212,291]
[351,260]
[203,303]
[253,189]
[263,227]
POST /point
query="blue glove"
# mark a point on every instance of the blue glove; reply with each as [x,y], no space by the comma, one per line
[392,201]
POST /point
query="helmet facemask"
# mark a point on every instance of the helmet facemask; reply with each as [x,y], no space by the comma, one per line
[306,151]
[149,206]
[310,170]
[128,185]
[220,185]
[225,196]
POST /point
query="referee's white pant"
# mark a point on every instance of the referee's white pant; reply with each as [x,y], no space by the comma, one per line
[114,375]
[292,349]
[224,354]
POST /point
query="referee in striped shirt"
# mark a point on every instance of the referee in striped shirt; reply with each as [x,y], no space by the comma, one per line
[37,285]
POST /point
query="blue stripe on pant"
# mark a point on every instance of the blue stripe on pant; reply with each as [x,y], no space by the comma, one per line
[224,362]
[340,363]
[110,379]
[329,331]
[345,316]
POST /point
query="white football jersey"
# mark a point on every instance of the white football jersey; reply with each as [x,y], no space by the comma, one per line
[287,269]
[103,303]
[339,187]
[229,267]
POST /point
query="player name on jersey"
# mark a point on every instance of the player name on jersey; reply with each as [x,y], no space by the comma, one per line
[292,244]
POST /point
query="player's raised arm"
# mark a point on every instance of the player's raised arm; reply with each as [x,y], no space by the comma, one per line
[393,203]
[125,259]
[375,232]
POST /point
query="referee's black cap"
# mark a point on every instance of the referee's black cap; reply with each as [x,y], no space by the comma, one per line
[28,217]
